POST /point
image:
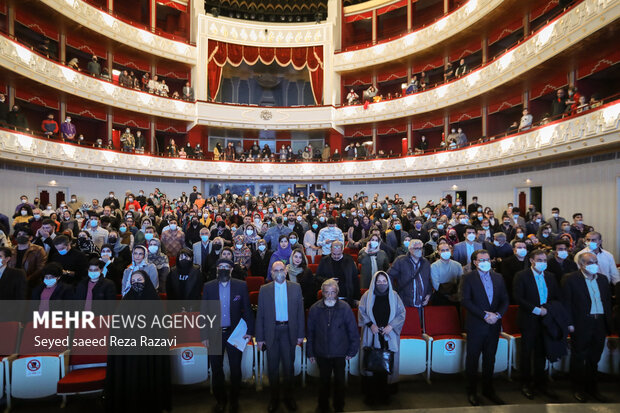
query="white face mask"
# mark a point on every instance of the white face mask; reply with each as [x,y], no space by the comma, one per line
[153,249]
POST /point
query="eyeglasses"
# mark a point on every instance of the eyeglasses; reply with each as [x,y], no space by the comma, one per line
[484,260]
[278,272]
[417,248]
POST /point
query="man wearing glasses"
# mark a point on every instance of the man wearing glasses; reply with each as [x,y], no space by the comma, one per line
[606,262]
[411,275]
[587,298]
[484,295]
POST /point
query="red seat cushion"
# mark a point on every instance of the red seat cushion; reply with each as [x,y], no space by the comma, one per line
[447,337]
[82,380]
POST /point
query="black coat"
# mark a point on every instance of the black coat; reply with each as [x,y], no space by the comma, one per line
[104,290]
[555,331]
[260,265]
[332,331]
[577,300]
[567,266]
[509,268]
[187,289]
[474,299]
[527,297]
[13,284]
[239,302]
[73,260]
[309,287]
[347,281]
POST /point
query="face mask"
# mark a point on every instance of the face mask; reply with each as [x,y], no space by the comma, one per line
[24,213]
[148,236]
[418,226]
[239,246]
[445,255]
[375,244]
[464,221]
[592,245]
[381,287]
[137,287]
[24,201]
[471,237]
[78,216]
[49,281]
[130,200]
[520,235]
[433,219]
[545,235]
[270,210]
[204,238]
[562,255]
[484,266]
[236,212]
[315,226]
[173,227]
[322,219]
[579,222]
[63,252]
[480,218]
[540,266]
[106,254]
[49,208]
[515,216]
[406,244]
[506,223]
[217,246]
[293,241]
[592,268]
[485,227]
[280,278]
[262,247]
[123,230]
[556,216]
[394,216]
[93,223]
[538,221]
[397,227]
[417,254]
[439,226]
[93,275]
[37,216]
[233,229]
[112,196]
[153,249]
[496,243]
[566,228]
[521,252]
[112,240]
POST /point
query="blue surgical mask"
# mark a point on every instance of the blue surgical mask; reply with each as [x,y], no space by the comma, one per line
[562,255]
[592,268]
[397,227]
[49,281]
[315,226]
[63,252]
[204,238]
[521,252]
[93,274]
[374,244]
[123,230]
[540,266]
[293,241]
[471,237]
[433,219]
[484,266]
[148,236]
[439,226]
[445,255]
[592,245]
[262,247]
[406,244]
[520,235]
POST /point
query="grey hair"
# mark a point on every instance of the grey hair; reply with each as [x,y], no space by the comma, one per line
[331,282]
[415,242]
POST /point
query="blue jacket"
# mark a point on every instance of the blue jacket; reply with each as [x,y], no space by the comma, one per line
[332,332]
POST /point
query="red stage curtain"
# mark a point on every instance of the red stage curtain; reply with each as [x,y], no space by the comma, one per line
[221,53]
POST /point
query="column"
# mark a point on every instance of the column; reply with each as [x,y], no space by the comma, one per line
[152,144]
[10,89]
[526,24]
[446,6]
[409,134]
[109,125]
[153,14]
[526,99]
[153,70]
[409,15]
[63,109]
[110,4]
[10,16]
[62,47]
[485,49]
[446,126]
[110,62]
[485,120]
[374,26]
[572,77]
[374,140]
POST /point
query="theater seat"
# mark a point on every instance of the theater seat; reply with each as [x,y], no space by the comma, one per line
[447,344]
[254,283]
[254,297]
[511,332]
[313,268]
[188,358]
[317,259]
[87,364]
[9,331]
[413,345]
[35,372]
[610,358]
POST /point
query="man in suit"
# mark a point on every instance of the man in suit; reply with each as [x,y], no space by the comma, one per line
[45,237]
[517,219]
[556,221]
[12,280]
[484,296]
[411,276]
[234,302]
[560,261]
[474,206]
[464,250]
[533,289]
[279,328]
[342,268]
[514,264]
[202,251]
[587,298]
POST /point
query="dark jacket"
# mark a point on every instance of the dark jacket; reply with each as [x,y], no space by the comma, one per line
[474,299]
[348,281]
[509,268]
[239,303]
[332,331]
[555,331]
[577,302]
[567,266]
[13,284]
[401,274]
[73,260]
[527,297]
[62,293]
[260,265]
[103,290]
[187,289]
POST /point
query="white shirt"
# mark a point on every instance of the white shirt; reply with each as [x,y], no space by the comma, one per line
[606,264]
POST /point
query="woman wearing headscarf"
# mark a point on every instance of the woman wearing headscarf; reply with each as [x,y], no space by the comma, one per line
[355,235]
[366,223]
[297,271]
[452,238]
[241,253]
[139,262]
[69,224]
[125,236]
[113,266]
[138,382]
[283,253]
[217,152]
[185,281]
[293,240]
[250,237]
[260,259]
[85,244]
[120,250]
[373,259]
[381,316]
[160,261]
[310,238]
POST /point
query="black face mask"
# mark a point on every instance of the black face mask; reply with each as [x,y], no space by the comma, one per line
[184,266]
[112,240]
[22,239]
[137,287]
[217,247]
[381,288]
[278,220]
[223,275]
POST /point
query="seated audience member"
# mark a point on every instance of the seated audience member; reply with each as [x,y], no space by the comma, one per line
[499,249]
[513,264]
[12,280]
[51,289]
[560,261]
[446,276]
[27,256]
[372,259]
[113,266]
[160,261]
[73,262]
[95,288]
[341,267]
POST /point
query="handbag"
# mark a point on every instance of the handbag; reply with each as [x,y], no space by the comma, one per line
[378,360]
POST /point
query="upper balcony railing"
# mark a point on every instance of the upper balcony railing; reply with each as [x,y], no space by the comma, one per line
[126,32]
[591,130]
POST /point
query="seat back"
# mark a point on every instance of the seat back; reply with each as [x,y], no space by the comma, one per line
[28,342]
[254,283]
[441,320]
[82,349]
[317,258]
[509,320]
[187,334]
[313,267]
[412,326]
[254,297]
[9,331]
